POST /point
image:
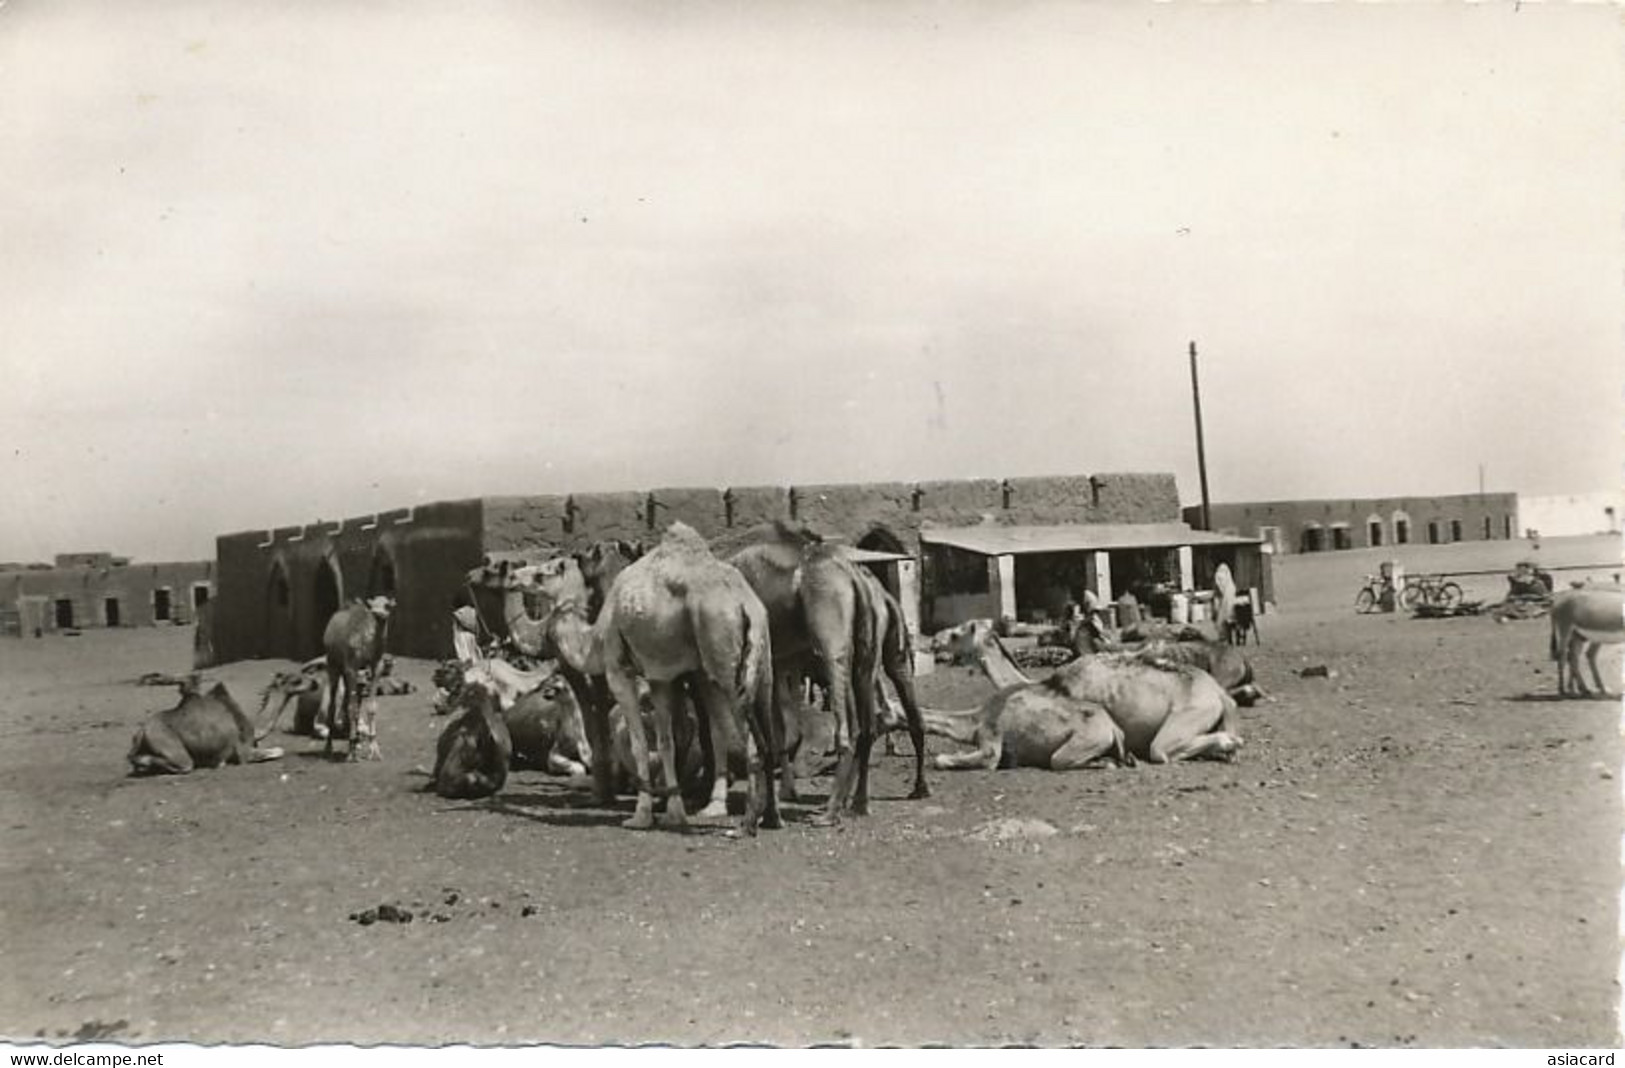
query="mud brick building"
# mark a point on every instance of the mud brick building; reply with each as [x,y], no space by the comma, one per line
[80,590]
[276,588]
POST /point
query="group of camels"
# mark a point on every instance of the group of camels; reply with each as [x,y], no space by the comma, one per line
[736,639]
[713,655]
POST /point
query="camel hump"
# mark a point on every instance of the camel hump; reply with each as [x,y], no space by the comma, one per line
[683,538]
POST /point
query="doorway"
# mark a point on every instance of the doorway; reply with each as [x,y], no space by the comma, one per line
[329,595]
[110,608]
[64,613]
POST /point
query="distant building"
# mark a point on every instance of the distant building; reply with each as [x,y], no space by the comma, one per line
[277,588]
[81,590]
[1307,526]
[1577,513]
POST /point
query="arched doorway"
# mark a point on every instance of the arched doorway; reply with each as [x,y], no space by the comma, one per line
[382,580]
[329,595]
[1373,531]
[279,614]
[881,540]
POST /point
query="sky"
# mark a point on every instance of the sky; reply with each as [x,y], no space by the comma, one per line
[272,263]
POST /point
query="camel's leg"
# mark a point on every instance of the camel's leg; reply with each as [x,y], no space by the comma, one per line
[986,755]
[667,699]
[595,701]
[332,707]
[863,709]
[1577,682]
[838,672]
[160,751]
[1593,648]
[559,764]
[901,674]
[1186,735]
[766,730]
[710,702]
[1075,753]
[624,686]
[789,742]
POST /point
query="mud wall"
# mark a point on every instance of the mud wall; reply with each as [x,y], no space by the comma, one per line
[278,588]
[886,514]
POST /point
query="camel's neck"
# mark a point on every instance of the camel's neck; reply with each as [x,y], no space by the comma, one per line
[997,664]
[572,637]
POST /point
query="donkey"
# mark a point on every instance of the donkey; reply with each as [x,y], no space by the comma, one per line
[1590,615]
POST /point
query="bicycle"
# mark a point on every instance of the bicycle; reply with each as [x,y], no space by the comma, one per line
[1433,590]
[1370,595]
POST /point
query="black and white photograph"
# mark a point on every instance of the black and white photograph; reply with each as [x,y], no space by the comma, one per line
[926,524]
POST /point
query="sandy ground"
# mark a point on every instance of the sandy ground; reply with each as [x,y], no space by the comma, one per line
[1422,849]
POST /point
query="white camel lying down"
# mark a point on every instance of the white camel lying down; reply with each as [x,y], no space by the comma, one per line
[1159,711]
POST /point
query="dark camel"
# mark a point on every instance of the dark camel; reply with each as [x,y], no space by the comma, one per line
[472,756]
[835,622]
[205,730]
[354,640]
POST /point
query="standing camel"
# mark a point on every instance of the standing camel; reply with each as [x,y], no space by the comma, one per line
[354,640]
[679,618]
[834,621]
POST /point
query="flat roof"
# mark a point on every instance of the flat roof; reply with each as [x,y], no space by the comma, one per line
[992,540]
[871,556]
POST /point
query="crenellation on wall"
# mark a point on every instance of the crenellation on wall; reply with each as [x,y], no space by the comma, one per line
[701,508]
[1135,497]
[512,523]
[752,506]
[848,509]
[602,516]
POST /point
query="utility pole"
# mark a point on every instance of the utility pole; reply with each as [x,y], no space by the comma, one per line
[1201,449]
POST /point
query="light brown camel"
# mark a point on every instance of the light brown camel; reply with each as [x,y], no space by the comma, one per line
[303,690]
[205,730]
[836,623]
[354,641]
[1167,711]
[679,618]
[1027,726]
[1592,616]
[1227,664]
[472,755]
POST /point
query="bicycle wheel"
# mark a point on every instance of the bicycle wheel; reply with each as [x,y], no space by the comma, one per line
[1365,601]
[1448,595]
[1409,596]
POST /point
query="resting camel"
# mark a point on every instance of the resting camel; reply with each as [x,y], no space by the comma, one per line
[544,719]
[1167,711]
[354,640]
[679,618]
[834,621]
[471,758]
[1590,615]
[1227,664]
[300,688]
[205,730]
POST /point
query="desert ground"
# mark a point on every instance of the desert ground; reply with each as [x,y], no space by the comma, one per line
[1420,849]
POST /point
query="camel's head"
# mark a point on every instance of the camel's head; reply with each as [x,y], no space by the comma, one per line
[552,583]
[381,606]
